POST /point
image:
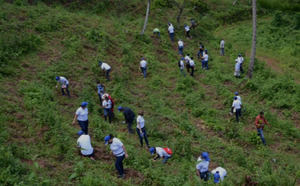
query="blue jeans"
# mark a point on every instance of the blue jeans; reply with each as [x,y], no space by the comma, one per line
[144,71]
[144,136]
[166,159]
[108,112]
[260,133]
[172,36]
[222,51]
[238,114]
[107,74]
[204,64]
[200,53]
[119,164]
[84,125]
[180,50]
[204,175]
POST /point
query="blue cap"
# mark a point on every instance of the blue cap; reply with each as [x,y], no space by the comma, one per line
[217,177]
[80,133]
[236,93]
[100,63]
[235,98]
[84,104]
[106,139]
[57,78]
[152,150]
[205,156]
[120,108]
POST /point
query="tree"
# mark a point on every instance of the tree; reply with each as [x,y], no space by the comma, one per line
[253,50]
[181,7]
[146,18]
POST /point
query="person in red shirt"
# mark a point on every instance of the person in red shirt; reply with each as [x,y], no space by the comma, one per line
[260,123]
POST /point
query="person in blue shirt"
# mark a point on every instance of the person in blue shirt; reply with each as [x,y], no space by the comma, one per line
[100,90]
[202,167]
[129,117]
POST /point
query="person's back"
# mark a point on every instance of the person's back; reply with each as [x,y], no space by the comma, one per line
[128,113]
[62,80]
[84,142]
[222,44]
[143,63]
[161,152]
[105,66]
[236,104]
[237,66]
[171,28]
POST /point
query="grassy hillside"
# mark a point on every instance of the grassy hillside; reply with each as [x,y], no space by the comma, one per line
[190,115]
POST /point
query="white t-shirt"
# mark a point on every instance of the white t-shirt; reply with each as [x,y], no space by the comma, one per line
[161,152]
[237,104]
[240,60]
[106,104]
[117,147]
[180,43]
[105,66]
[143,63]
[222,172]
[205,57]
[187,28]
[187,59]
[181,64]
[82,114]
[171,29]
[62,80]
[239,98]
[84,142]
[222,44]
[202,166]
[192,63]
[141,121]
[237,67]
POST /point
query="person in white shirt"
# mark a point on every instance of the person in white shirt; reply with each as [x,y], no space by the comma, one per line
[119,151]
[240,60]
[202,167]
[84,143]
[141,129]
[222,173]
[171,31]
[106,68]
[107,106]
[237,108]
[192,66]
[238,97]
[205,60]
[187,62]
[187,31]
[64,84]
[81,116]
[181,66]
[160,153]
[237,72]
[180,47]
[143,66]
[222,47]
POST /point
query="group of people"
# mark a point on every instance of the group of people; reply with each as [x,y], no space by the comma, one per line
[117,147]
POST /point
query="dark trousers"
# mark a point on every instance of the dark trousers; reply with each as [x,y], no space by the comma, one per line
[188,34]
[129,124]
[260,133]
[200,53]
[204,175]
[107,74]
[172,36]
[84,125]
[144,71]
[241,68]
[192,70]
[222,51]
[100,99]
[238,114]
[142,136]
[119,164]
[108,113]
[67,90]
[188,67]
[180,50]
[204,64]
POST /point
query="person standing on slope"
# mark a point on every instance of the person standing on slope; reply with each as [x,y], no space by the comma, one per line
[81,116]
[205,60]
[106,68]
[202,167]
[180,47]
[171,31]
[181,66]
[237,69]
[141,129]
[84,143]
[237,108]
[240,60]
[107,106]
[164,153]
[143,66]
[238,97]
[129,117]
[192,66]
[187,31]
[187,62]
[100,91]
[201,51]
[260,123]
[119,151]
[64,84]
[222,47]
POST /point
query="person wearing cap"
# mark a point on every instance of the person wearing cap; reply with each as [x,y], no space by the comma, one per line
[156,32]
[237,69]
[143,66]
[201,51]
[202,167]
[181,66]
[237,108]
[222,47]
[141,129]
[260,123]
[107,106]
[100,91]
[238,97]
[119,151]
[81,116]
[187,30]
[129,117]
[240,60]
[105,67]
[192,66]
[64,84]
[171,31]
[160,153]
[187,62]
[219,174]
[180,47]
[205,60]
[84,143]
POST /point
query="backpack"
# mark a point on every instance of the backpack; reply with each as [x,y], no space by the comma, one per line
[168,150]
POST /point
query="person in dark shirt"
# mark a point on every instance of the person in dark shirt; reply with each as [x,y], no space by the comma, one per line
[129,117]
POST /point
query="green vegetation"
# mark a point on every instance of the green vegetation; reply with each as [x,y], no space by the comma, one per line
[189,115]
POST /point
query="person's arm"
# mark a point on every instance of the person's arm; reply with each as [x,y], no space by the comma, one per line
[156,157]
[126,155]
[75,118]
[139,127]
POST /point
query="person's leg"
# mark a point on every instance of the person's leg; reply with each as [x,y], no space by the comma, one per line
[67,89]
[140,137]
[145,136]
[62,91]
[129,124]
[121,165]
[192,73]
[117,164]
[105,114]
[86,127]
[81,124]
[145,72]
[188,68]
[241,68]
[165,159]
[261,135]
[107,74]
[206,65]
[236,115]
[109,115]
[203,64]
[100,99]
